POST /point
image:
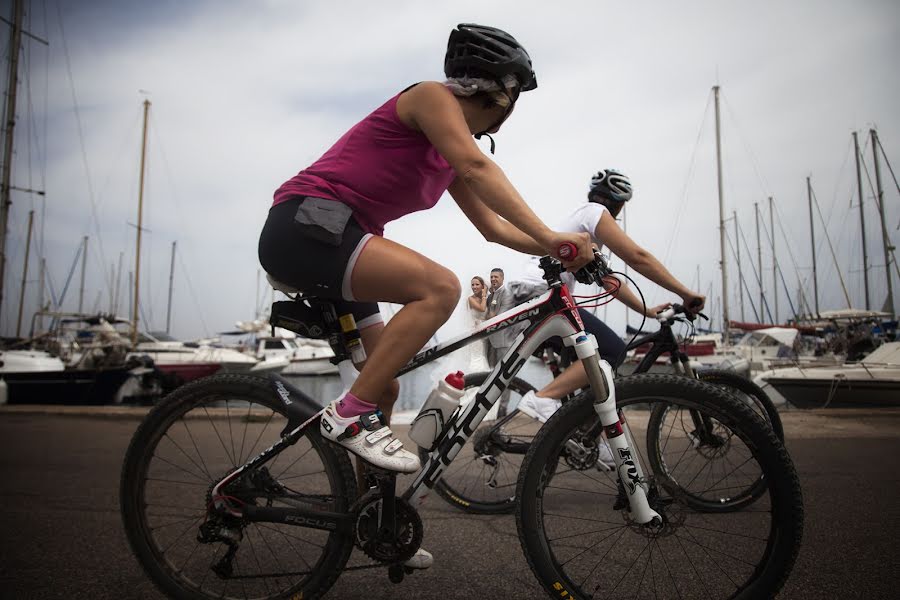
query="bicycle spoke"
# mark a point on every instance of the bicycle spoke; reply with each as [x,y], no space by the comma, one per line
[192,474]
[174,443]
[209,418]
[194,442]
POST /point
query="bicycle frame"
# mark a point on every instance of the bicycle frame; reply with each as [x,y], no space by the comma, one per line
[662,341]
[552,314]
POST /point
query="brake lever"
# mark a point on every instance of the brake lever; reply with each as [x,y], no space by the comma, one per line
[594,271]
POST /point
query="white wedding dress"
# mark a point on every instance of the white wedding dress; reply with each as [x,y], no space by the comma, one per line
[477,358]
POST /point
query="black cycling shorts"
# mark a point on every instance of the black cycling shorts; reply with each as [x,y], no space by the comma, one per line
[302,248]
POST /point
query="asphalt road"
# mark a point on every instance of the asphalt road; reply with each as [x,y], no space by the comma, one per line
[61,535]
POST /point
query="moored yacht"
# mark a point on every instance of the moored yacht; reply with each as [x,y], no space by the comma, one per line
[873,381]
[190,360]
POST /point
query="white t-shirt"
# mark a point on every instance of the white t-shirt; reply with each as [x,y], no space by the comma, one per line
[583,219]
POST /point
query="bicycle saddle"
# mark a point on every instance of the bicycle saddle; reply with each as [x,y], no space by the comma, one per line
[282,287]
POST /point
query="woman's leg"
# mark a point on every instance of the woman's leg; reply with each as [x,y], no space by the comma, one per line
[370,337]
[389,272]
[574,378]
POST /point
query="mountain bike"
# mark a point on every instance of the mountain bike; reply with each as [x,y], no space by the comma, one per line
[212,511]
[483,480]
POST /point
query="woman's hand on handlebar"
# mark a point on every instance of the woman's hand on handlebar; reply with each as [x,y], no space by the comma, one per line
[694,303]
[653,311]
[583,249]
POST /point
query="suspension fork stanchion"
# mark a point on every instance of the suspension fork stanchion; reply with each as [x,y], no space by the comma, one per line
[627,463]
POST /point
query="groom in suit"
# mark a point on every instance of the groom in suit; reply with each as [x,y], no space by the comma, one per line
[499,301]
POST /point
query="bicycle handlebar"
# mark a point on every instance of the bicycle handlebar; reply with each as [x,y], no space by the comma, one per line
[594,271]
[678,309]
[567,251]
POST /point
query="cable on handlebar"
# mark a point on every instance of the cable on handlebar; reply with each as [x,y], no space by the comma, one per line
[609,294]
[621,358]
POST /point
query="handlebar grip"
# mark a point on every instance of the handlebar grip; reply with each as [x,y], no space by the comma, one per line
[567,251]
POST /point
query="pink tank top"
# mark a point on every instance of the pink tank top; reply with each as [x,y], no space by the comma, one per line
[381,168]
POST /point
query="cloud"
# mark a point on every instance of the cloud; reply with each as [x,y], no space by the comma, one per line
[245,94]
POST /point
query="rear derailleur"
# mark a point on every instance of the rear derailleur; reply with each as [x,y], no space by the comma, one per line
[224,527]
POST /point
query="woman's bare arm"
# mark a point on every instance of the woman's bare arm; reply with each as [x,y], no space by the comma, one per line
[432,109]
[642,261]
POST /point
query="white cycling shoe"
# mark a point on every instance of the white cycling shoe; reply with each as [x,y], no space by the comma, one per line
[368,437]
[538,408]
[422,559]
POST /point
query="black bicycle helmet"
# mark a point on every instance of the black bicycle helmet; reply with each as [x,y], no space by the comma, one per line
[479,51]
[609,184]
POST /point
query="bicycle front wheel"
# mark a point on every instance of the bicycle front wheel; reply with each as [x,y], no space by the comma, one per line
[482,478]
[186,444]
[581,542]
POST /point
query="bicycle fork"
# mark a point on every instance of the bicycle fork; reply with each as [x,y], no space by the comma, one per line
[628,466]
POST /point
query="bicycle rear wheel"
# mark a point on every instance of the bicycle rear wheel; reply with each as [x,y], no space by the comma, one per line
[189,441]
[482,478]
[578,535]
[685,436]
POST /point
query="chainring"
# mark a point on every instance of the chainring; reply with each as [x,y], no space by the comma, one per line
[382,546]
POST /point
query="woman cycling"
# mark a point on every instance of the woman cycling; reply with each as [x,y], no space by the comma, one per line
[324,231]
[608,193]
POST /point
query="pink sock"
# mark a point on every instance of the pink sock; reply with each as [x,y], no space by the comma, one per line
[351,406]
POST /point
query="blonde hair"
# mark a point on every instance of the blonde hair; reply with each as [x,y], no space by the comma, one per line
[469,86]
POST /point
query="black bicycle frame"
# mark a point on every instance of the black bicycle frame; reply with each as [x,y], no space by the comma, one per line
[550,315]
[661,341]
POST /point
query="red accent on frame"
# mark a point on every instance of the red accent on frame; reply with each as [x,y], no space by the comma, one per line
[614,430]
[570,302]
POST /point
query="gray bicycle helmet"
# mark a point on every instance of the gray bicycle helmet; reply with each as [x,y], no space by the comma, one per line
[609,184]
[479,51]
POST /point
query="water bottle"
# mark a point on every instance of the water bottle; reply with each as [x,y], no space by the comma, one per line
[437,410]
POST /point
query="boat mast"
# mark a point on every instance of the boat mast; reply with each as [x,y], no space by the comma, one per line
[24,273]
[115,308]
[862,221]
[171,280]
[140,222]
[12,82]
[83,268]
[40,317]
[885,240]
[625,228]
[737,245]
[812,237]
[722,261]
[774,261]
[762,299]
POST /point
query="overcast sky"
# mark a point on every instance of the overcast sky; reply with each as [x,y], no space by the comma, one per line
[245,94]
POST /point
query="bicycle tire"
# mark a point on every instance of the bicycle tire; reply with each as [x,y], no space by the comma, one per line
[686,557]
[744,391]
[141,481]
[466,482]
[764,405]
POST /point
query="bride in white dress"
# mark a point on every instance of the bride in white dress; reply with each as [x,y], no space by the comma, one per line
[477,304]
